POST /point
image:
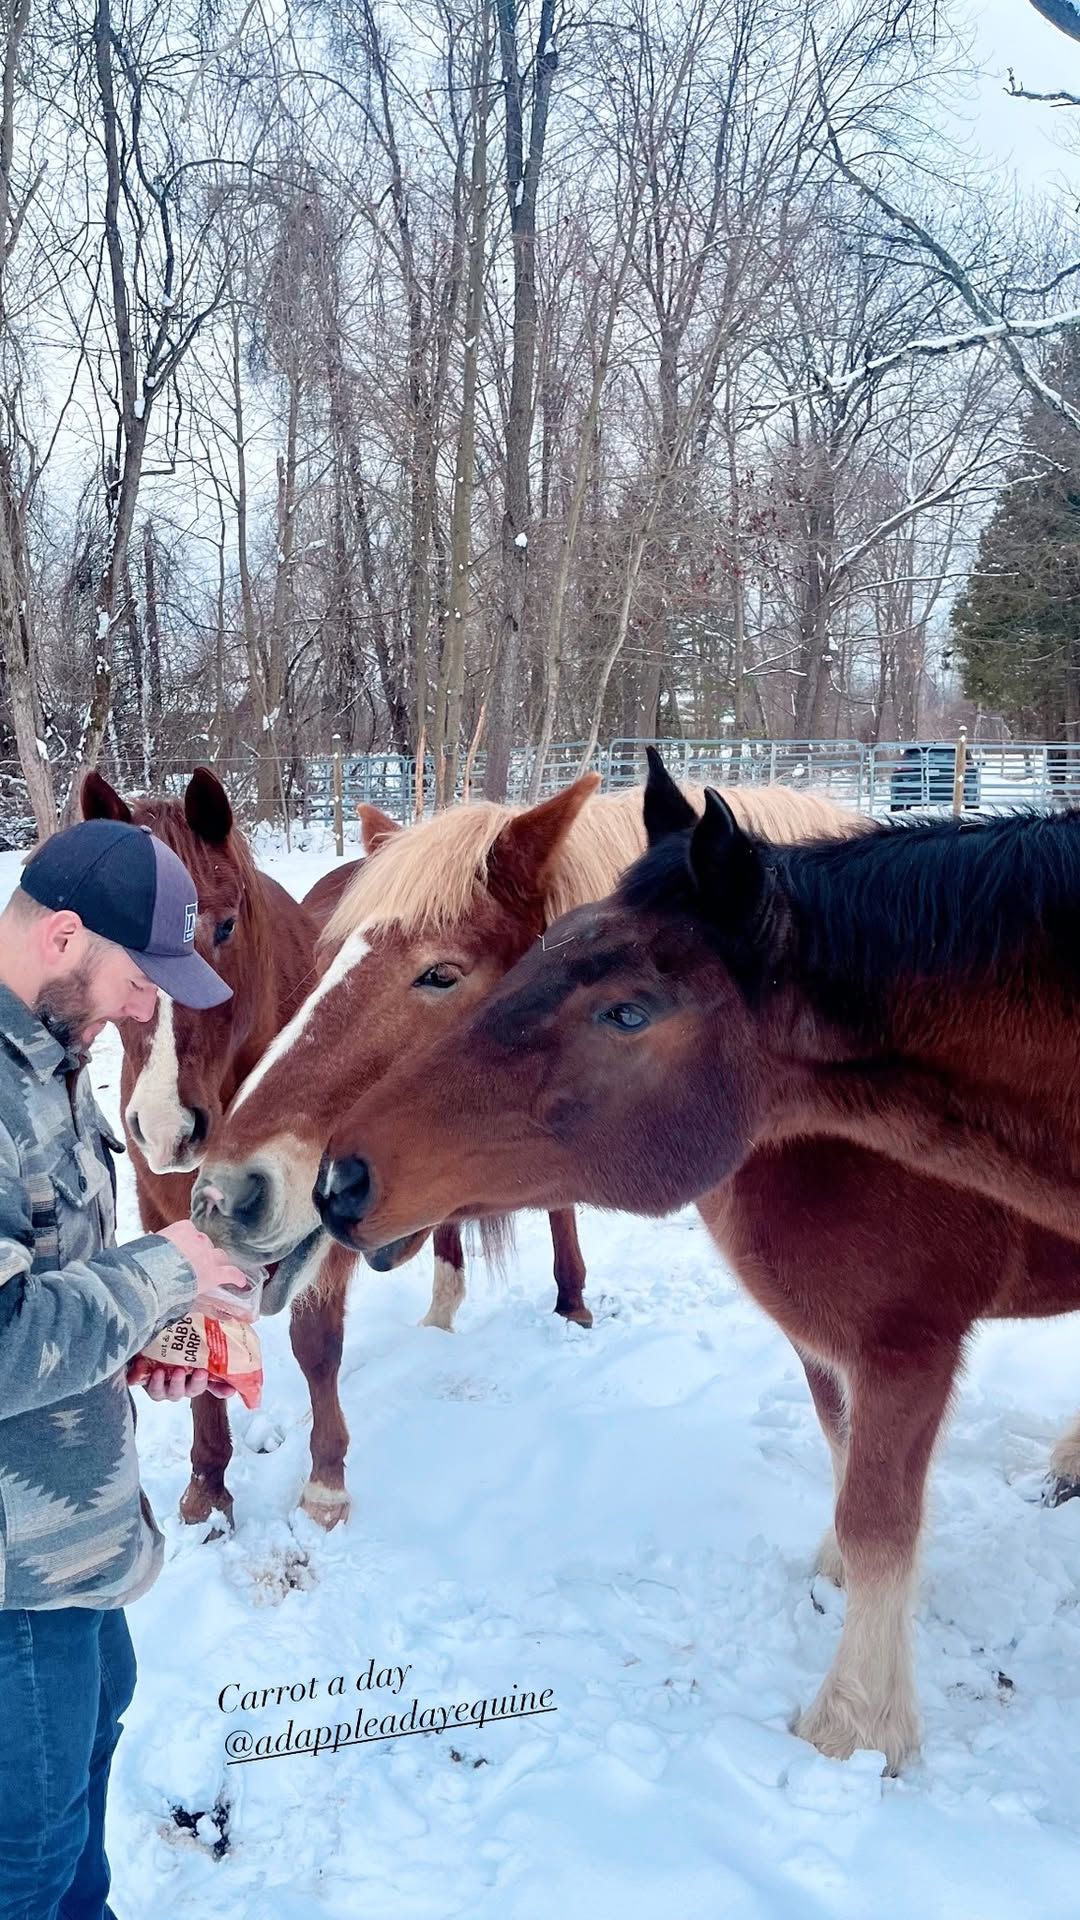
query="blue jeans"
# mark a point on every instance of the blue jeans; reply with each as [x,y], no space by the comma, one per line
[66,1676]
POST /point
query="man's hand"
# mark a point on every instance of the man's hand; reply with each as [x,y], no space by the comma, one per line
[213,1267]
[174,1383]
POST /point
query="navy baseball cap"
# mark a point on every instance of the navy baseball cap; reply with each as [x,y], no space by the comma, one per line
[129,887]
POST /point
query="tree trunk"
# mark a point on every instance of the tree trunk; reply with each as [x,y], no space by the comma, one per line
[271,787]
[133,423]
[152,675]
[522,181]
[16,637]
[446,735]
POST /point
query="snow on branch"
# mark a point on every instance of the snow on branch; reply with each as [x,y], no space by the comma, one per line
[935,347]
[999,332]
[1049,99]
[974,474]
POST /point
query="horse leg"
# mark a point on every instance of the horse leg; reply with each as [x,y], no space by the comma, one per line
[211,1451]
[897,1403]
[1063,1480]
[448,1286]
[316,1330]
[827,1391]
[569,1267]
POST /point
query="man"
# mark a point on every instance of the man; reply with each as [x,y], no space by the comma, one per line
[104,917]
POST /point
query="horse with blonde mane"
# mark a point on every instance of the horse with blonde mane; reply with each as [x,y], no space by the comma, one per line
[431,920]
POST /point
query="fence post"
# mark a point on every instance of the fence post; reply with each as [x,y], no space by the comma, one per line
[339,800]
[958,774]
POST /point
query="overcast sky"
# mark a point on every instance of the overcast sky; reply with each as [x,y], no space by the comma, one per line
[1032,139]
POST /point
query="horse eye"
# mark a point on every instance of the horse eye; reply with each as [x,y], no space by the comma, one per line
[441,976]
[223,931]
[624,1015]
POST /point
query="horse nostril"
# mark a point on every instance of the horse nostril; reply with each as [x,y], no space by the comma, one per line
[249,1200]
[200,1127]
[134,1129]
[342,1194]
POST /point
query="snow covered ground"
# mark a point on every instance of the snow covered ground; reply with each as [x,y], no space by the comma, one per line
[626,1517]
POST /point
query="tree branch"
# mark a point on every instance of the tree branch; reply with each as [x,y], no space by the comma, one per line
[1000,332]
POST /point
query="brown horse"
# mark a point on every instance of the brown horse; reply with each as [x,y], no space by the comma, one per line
[660,1044]
[257,1183]
[181,1070]
[436,915]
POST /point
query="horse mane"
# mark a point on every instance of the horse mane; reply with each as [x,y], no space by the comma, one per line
[929,898]
[897,901]
[425,878]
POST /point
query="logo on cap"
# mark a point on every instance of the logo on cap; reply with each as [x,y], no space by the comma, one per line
[189,922]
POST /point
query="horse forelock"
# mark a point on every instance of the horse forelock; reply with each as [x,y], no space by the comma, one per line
[424,878]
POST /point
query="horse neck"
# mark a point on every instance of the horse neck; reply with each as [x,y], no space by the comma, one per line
[282,949]
[869,995]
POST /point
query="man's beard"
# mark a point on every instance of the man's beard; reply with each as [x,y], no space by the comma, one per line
[65,1007]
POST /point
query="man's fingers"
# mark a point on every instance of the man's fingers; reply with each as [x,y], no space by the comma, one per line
[170,1383]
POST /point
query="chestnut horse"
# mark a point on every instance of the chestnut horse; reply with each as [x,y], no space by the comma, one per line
[181,1070]
[674,1038]
[345,1035]
[435,916]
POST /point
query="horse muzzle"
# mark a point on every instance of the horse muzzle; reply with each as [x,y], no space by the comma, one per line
[236,1207]
[343,1194]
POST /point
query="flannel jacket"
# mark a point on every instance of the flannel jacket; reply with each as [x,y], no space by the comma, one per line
[76,1528]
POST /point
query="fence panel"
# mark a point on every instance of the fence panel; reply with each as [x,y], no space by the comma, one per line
[891,777]
[997,778]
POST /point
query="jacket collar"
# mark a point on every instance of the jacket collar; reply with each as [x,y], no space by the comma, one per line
[29,1039]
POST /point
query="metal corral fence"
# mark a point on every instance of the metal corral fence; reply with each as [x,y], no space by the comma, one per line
[889,777]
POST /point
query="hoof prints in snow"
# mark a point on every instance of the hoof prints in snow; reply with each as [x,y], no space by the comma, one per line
[208,1828]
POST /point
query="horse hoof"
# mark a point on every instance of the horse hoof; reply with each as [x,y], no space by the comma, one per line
[1057,1488]
[836,1730]
[444,1321]
[327,1506]
[198,1505]
[580,1316]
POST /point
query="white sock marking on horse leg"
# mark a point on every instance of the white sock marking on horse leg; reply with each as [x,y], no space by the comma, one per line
[447,1294]
[868,1698]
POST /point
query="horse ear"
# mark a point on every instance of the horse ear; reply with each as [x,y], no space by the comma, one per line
[99,801]
[206,807]
[520,860]
[726,864]
[667,809]
[375,826]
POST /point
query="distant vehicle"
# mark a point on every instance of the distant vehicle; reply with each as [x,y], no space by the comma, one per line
[925,778]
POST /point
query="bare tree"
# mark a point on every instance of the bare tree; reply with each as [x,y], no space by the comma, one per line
[526,92]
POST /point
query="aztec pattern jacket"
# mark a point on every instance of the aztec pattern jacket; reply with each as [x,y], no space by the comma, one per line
[76,1529]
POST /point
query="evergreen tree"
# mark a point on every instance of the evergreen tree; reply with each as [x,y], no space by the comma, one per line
[1017,624]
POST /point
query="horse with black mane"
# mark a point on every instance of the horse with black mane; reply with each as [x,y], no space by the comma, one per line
[738,1025]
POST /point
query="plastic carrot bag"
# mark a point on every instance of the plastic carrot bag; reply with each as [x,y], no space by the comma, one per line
[229,1350]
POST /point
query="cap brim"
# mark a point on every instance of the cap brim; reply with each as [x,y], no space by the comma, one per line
[185,977]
